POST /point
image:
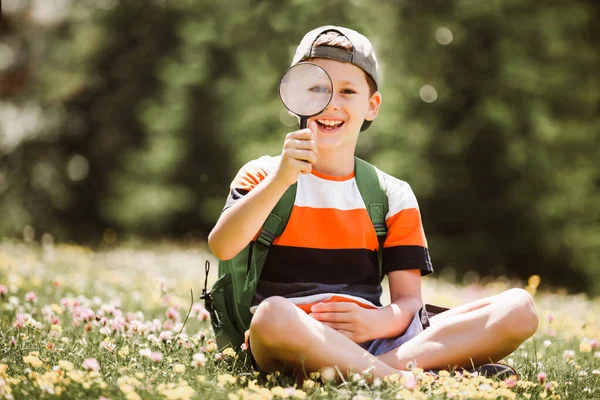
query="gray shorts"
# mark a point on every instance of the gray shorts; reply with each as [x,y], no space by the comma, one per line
[381,346]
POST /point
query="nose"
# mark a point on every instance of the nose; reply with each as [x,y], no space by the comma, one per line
[334,104]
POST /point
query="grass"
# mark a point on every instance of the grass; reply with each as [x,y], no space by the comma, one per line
[79,324]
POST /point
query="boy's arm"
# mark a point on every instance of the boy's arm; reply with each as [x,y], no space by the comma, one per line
[361,324]
[405,295]
[238,224]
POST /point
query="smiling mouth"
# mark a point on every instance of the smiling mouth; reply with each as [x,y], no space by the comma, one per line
[329,124]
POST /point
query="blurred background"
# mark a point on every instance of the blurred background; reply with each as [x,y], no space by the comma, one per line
[129,119]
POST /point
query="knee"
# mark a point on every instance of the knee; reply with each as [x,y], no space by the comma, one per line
[521,320]
[273,321]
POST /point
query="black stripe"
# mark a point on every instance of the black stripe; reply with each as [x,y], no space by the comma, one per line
[296,264]
[266,289]
[401,258]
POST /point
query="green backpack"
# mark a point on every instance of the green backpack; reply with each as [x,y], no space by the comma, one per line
[231,295]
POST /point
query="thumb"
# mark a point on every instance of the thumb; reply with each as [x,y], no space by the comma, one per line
[312,125]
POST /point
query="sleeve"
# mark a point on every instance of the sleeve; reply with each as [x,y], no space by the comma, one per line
[405,246]
[250,175]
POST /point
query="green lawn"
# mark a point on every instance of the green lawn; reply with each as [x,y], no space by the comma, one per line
[78,324]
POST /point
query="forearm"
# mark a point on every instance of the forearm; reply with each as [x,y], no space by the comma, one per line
[239,224]
[393,319]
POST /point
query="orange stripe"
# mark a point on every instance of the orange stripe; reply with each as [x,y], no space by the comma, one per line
[405,229]
[248,178]
[334,299]
[328,228]
[333,178]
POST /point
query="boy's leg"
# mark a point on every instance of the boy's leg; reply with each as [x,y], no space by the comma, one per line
[285,338]
[478,332]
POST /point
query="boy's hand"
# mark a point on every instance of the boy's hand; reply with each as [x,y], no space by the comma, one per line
[298,155]
[350,319]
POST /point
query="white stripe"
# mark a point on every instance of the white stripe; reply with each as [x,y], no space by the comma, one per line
[317,192]
[400,195]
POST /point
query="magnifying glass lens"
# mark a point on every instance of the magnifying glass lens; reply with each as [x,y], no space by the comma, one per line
[305,89]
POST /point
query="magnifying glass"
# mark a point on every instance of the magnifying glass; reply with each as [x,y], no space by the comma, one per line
[306,90]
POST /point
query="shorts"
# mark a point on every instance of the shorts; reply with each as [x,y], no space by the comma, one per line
[380,346]
[376,347]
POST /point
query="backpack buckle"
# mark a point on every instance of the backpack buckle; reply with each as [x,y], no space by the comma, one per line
[265,238]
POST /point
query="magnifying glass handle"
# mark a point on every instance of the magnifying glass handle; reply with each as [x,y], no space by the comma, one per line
[303,121]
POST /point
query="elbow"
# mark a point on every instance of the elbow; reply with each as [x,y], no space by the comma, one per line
[218,248]
[213,245]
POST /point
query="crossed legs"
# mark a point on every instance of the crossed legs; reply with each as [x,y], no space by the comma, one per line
[284,338]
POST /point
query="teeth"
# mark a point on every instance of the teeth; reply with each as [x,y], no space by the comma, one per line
[330,122]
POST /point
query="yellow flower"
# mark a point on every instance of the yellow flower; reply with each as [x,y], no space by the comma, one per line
[133,396]
[125,388]
[65,365]
[3,368]
[229,353]
[210,347]
[444,374]
[299,394]
[281,392]
[56,328]
[33,361]
[224,379]
[585,347]
[184,392]
[534,281]
[124,351]
[56,309]
[179,368]
[308,384]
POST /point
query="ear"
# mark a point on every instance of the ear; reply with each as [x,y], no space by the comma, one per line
[374,103]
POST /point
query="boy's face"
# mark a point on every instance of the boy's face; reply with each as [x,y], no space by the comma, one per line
[351,104]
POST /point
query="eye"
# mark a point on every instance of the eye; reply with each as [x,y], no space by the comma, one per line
[348,91]
[319,89]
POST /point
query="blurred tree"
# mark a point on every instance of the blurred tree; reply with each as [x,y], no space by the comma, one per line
[135,116]
[514,187]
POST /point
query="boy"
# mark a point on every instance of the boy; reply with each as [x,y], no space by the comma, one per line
[330,246]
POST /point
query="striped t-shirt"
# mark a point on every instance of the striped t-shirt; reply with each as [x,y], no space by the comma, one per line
[329,244]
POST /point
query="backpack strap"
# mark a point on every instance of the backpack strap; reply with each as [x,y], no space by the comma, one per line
[273,227]
[372,190]
[278,218]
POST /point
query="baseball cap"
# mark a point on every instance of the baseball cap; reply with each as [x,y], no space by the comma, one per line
[362,54]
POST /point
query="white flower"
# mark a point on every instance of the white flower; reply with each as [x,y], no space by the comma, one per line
[569,354]
[198,360]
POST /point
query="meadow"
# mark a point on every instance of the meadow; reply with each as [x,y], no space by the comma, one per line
[127,323]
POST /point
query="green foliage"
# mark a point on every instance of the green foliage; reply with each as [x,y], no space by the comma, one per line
[135,116]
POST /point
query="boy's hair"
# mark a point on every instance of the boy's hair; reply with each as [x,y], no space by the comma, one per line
[336,39]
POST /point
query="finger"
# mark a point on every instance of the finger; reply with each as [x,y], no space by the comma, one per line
[348,334]
[339,326]
[302,134]
[312,125]
[304,155]
[303,166]
[300,144]
[331,317]
[332,307]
